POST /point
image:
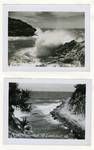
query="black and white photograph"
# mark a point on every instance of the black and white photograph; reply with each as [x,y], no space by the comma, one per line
[47,111]
[43,110]
[48,38]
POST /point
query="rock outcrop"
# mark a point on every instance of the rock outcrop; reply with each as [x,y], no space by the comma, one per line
[72,53]
[17,27]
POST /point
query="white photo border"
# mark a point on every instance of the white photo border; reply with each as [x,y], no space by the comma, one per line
[46,7]
[86,141]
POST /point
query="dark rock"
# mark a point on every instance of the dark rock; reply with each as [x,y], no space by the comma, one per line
[68,46]
[73,51]
[67,53]
[17,27]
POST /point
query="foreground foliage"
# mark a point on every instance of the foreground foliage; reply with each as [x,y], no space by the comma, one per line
[17,98]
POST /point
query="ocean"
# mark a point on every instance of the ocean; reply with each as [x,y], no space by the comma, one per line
[42,124]
[32,51]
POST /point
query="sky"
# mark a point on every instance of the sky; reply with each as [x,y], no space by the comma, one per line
[57,20]
[47,87]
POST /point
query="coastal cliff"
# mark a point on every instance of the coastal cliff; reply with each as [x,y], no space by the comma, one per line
[17,27]
[72,112]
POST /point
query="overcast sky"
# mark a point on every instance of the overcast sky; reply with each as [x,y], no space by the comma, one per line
[47,87]
[51,19]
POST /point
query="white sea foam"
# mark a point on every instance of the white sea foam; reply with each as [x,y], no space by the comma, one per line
[19,114]
[46,109]
[49,39]
[45,43]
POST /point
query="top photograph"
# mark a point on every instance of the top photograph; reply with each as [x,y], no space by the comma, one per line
[46,37]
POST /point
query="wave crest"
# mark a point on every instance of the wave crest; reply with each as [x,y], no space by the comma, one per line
[48,40]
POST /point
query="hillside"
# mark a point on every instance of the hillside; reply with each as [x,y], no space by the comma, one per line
[17,27]
[72,113]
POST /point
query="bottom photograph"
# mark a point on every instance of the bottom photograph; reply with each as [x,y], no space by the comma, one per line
[47,108]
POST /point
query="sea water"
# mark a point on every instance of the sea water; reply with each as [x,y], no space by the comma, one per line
[29,51]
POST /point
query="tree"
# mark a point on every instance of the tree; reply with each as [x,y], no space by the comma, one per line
[14,95]
[25,95]
[17,98]
[78,99]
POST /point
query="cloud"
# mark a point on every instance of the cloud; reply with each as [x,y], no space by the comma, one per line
[47,14]
[51,19]
[47,87]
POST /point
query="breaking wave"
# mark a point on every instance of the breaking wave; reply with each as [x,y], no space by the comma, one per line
[30,50]
[48,40]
